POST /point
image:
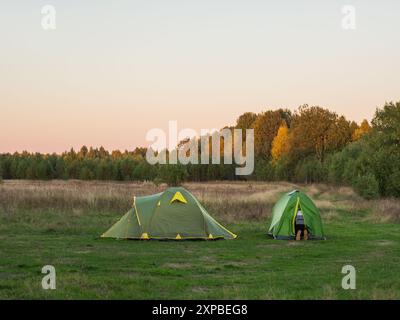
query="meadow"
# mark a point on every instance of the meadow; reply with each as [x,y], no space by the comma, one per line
[59,223]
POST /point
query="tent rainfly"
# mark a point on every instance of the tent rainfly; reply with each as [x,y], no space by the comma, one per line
[172,214]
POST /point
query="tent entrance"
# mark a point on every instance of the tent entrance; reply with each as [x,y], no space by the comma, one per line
[293,224]
[283,222]
[296,209]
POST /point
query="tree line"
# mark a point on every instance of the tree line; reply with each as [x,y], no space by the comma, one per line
[311,144]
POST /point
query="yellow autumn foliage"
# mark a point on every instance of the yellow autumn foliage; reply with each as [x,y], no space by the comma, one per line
[281,143]
[363,129]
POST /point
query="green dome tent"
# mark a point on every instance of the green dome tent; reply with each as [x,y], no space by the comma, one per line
[172,214]
[284,214]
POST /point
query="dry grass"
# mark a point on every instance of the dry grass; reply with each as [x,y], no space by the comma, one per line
[228,201]
[231,201]
[386,210]
[71,195]
[238,201]
[331,199]
[177,265]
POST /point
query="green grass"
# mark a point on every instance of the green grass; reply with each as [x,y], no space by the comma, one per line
[58,223]
[250,267]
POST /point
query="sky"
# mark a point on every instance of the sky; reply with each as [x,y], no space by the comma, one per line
[113,70]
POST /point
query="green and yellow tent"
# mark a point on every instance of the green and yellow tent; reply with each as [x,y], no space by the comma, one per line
[172,214]
[284,215]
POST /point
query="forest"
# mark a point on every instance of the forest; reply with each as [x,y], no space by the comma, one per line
[309,145]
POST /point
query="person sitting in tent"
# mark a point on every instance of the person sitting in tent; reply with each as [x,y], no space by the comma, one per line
[284,212]
[300,226]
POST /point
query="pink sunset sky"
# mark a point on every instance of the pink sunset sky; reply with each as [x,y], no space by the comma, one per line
[113,70]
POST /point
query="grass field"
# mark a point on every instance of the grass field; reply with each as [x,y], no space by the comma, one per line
[58,223]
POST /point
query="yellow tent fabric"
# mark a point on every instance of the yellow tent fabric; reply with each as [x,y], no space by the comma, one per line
[178,197]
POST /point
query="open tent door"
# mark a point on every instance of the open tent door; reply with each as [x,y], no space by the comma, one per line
[284,215]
